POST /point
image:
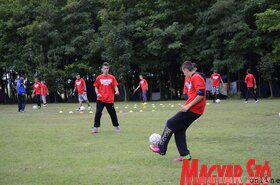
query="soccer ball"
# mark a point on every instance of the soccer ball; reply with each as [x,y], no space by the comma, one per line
[218,100]
[154,139]
[82,108]
[35,107]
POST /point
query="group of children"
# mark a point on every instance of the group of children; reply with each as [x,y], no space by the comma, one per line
[40,90]
[106,87]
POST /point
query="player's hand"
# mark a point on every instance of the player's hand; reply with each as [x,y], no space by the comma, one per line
[99,95]
[73,94]
[117,93]
[185,108]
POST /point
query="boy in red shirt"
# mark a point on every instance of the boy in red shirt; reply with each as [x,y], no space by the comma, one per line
[37,92]
[215,80]
[44,93]
[144,86]
[106,87]
[192,110]
[251,86]
[80,86]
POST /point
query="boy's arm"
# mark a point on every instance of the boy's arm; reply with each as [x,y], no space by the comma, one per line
[97,92]
[136,88]
[117,90]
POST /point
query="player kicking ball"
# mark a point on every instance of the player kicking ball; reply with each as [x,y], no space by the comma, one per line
[191,111]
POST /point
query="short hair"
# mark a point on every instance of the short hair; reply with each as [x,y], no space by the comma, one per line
[215,71]
[248,70]
[187,65]
[195,65]
[105,64]
[77,74]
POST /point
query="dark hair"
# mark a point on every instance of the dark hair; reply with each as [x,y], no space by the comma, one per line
[248,70]
[105,64]
[195,65]
[215,71]
[187,65]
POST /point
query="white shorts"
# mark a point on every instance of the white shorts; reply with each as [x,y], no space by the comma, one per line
[82,97]
[215,89]
[44,97]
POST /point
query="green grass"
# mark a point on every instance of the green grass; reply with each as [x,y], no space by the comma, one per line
[46,147]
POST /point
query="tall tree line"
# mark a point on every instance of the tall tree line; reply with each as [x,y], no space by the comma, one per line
[54,39]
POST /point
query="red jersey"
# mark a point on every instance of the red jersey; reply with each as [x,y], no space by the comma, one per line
[37,87]
[144,85]
[216,78]
[197,83]
[106,87]
[44,89]
[249,79]
[186,85]
[80,85]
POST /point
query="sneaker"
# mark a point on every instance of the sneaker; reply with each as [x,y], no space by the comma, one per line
[187,157]
[117,129]
[89,108]
[257,101]
[94,130]
[154,148]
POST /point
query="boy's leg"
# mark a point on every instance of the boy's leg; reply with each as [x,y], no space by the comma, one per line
[248,94]
[38,99]
[98,113]
[112,112]
[23,102]
[144,94]
[19,102]
[180,135]
[179,122]
[213,94]
[253,95]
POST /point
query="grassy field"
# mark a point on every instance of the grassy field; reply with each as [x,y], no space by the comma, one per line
[42,147]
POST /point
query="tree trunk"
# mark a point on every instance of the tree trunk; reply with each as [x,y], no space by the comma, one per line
[124,91]
[170,85]
[270,88]
[55,98]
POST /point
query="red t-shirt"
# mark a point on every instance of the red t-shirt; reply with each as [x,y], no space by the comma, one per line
[80,85]
[106,87]
[144,85]
[250,80]
[37,87]
[44,90]
[186,85]
[197,83]
[216,78]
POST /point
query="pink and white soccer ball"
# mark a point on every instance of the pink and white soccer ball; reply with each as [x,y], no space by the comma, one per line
[154,139]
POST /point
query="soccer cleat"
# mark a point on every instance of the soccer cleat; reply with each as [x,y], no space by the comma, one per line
[89,108]
[246,102]
[78,109]
[94,130]
[179,158]
[257,101]
[154,148]
[117,129]
[44,105]
[187,157]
